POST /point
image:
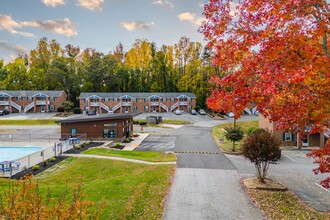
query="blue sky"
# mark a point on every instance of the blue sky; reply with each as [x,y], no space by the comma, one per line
[99,24]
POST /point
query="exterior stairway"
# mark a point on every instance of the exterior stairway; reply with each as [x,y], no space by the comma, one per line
[28,107]
[163,106]
[15,105]
[116,107]
[174,106]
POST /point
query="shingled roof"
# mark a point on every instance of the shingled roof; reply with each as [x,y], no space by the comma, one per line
[29,93]
[101,117]
[136,95]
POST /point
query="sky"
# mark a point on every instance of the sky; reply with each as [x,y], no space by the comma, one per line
[99,24]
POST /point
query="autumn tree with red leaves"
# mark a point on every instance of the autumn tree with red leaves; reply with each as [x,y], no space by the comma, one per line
[276,55]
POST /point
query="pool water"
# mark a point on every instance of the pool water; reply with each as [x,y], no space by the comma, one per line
[13,153]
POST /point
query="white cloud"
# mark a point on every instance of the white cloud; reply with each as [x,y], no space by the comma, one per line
[166,3]
[131,26]
[64,27]
[94,5]
[53,3]
[17,49]
[10,25]
[192,18]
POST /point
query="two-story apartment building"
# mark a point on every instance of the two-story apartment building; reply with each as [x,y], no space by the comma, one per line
[31,101]
[304,139]
[137,102]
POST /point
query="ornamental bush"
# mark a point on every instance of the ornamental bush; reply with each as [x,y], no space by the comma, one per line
[262,149]
[234,134]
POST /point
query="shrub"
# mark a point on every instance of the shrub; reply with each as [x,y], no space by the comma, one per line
[234,134]
[136,135]
[249,130]
[77,110]
[67,108]
[35,167]
[197,108]
[23,200]
[87,142]
[143,123]
[257,131]
[117,145]
[262,149]
[52,159]
[78,147]
[44,163]
[60,109]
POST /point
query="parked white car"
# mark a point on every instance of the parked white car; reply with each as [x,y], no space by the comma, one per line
[177,112]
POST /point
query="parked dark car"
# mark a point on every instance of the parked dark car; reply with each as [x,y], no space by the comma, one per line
[202,112]
[91,112]
[4,112]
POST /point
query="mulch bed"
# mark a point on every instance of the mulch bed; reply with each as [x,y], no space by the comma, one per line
[43,167]
[83,147]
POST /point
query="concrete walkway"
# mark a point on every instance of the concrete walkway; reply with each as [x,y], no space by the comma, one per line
[118,158]
[137,141]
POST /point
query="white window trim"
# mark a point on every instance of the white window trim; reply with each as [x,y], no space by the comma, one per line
[287,136]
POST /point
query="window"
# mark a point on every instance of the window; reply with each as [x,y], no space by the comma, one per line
[164,99]
[52,107]
[113,124]
[172,99]
[52,99]
[85,108]
[115,99]
[106,99]
[146,108]
[19,98]
[73,132]
[110,133]
[287,136]
[145,100]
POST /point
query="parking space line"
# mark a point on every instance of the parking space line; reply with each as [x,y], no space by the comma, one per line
[322,187]
[288,157]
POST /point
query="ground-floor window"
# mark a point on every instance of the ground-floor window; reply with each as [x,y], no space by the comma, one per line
[287,136]
[110,133]
[73,132]
[52,107]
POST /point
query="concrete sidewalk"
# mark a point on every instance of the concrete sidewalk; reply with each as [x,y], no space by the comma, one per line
[118,158]
[137,141]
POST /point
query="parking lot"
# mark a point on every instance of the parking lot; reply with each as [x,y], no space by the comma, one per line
[155,142]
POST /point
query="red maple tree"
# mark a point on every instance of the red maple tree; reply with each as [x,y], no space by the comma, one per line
[273,53]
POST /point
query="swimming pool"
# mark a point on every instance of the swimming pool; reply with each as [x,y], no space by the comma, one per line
[13,153]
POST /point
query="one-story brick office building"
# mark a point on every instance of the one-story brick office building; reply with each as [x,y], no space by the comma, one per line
[108,126]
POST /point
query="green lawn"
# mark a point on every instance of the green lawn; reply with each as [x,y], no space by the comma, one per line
[173,122]
[146,156]
[218,132]
[284,205]
[131,191]
[28,122]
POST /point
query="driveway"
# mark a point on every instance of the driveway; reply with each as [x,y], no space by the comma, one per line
[206,183]
[295,171]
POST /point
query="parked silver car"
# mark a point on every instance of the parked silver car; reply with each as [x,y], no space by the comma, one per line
[202,112]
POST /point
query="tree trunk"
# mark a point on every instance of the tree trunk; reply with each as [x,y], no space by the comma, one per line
[234,129]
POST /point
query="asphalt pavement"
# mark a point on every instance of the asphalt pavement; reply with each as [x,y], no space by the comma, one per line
[206,183]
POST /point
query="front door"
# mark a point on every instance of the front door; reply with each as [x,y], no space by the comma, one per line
[43,108]
[305,139]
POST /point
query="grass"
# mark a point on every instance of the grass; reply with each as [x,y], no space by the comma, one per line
[176,122]
[131,191]
[173,122]
[284,205]
[28,122]
[225,145]
[146,156]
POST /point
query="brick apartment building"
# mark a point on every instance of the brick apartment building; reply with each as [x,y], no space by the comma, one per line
[293,139]
[31,101]
[137,102]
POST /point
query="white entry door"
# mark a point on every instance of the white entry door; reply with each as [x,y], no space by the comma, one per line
[305,140]
[43,108]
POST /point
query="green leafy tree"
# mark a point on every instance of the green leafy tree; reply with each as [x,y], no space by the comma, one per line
[234,134]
